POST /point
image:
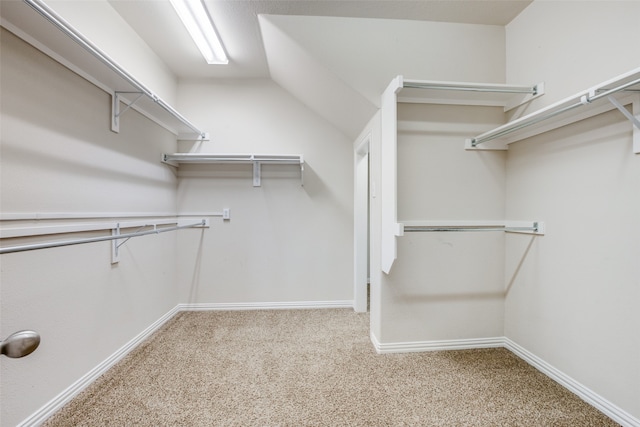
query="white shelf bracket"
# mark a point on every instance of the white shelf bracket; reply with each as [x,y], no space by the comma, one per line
[256,174]
[194,137]
[115,244]
[115,108]
[115,255]
[163,159]
[634,117]
[487,146]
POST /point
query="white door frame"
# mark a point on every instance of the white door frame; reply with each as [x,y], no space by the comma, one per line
[361,225]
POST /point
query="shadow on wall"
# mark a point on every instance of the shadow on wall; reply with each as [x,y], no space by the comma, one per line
[96,168]
[471,296]
[197,269]
[414,298]
[313,184]
[511,280]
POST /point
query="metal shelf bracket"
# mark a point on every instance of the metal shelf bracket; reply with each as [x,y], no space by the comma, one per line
[633,116]
[257,172]
[115,108]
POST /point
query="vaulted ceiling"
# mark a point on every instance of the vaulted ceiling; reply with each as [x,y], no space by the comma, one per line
[314,48]
[238,25]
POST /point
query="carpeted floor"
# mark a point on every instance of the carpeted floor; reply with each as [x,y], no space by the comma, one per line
[313,368]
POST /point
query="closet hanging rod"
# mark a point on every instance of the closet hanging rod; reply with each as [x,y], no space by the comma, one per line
[437,229]
[23,248]
[232,158]
[525,122]
[469,88]
[68,30]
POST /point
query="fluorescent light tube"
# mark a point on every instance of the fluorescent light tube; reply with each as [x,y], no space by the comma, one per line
[196,19]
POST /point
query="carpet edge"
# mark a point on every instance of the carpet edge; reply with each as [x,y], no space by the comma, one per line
[614,412]
[49,408]
[292,305]
[611,410]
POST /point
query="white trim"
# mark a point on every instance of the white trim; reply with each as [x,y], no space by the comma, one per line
[265,305]
[46,411]
[361,184]
[440,345]
[78,227]
[589,396]
[25,216]
[603,405]
[374,341]
[609,409]
[74,389]
[70,225]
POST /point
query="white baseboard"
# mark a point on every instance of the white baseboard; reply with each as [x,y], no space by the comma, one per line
[266,305]
[74,389]
[609,409]
[612,411]
[46,411]
[421,346]
[603,405]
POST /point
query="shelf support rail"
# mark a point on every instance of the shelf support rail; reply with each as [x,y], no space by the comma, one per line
[255,159]
[584,100]
[535,228]
[471,88]
[114,237]
[48,13]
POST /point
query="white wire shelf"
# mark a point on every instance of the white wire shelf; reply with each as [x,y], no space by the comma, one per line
[464,93]
[612,94]
[257,160]
[37,24]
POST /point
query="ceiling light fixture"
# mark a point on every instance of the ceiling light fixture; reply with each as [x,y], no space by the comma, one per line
[195,17]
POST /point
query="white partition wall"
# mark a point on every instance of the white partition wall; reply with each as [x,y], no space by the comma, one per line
[445,289]
[389,174]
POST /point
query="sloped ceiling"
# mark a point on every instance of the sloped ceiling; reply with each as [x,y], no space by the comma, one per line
[237,23]
[336,57]
[308,79]
[339,66]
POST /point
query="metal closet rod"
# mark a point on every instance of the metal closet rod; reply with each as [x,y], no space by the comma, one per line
[67,29]
[23,248]
[436,229]
[500,89]
[584,100]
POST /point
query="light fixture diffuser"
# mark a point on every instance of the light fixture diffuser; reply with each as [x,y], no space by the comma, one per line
[196,19]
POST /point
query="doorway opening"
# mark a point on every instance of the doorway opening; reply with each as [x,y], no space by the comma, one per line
[361,227]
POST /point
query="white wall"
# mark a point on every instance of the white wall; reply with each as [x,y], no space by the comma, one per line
[339,66]
[438,277]
[284,242]
[446,286]
[573,300]
[59,156]
[97,21]
[571,45]
[367,53]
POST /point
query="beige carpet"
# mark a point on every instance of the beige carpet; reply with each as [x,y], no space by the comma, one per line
[314,368]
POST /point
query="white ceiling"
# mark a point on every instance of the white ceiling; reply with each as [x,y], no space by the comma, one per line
[238,25]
